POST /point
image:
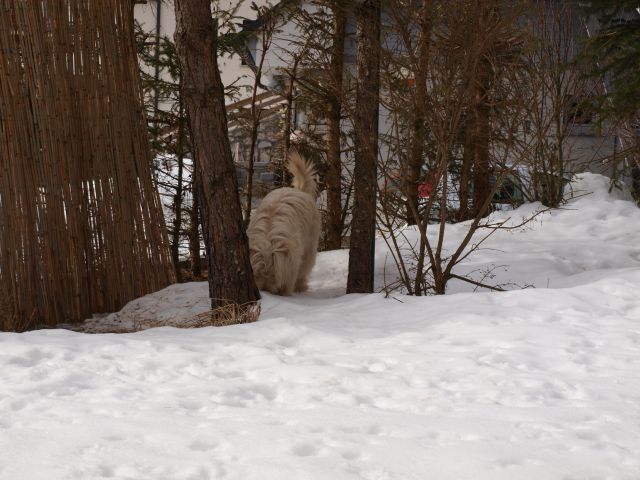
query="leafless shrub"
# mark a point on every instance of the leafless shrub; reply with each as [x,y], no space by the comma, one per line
[456,112]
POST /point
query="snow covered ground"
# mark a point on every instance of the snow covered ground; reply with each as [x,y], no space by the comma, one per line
[541,383]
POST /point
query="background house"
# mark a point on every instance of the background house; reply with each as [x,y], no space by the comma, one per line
[590,146]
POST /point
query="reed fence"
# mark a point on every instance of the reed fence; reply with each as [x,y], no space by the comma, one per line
[81,225]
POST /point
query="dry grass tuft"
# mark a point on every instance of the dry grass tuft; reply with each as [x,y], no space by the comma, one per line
[229,314]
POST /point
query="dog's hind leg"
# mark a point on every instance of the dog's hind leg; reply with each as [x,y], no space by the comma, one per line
[301,285]
[286,264]
[305,269]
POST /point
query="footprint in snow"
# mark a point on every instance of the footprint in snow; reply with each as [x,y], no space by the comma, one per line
[190,405]
[31,359]
[18,405]
[351,455]
[305,450]
[202,446]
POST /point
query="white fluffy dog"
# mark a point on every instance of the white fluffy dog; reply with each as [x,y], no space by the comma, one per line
[283,232]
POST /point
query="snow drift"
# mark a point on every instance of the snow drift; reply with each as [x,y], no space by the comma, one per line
[540,383]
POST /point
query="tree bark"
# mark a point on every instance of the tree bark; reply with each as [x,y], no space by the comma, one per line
[178,198]
[194,223]
[481,188]
[363,224]
[255,123]
[465,172]
[416,148]
[230,275]
[334,163]
[281,168]
[177,221]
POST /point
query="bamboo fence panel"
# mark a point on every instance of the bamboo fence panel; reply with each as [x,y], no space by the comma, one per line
[81,224]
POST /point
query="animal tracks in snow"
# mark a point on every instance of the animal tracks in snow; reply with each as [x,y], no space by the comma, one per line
[531,384]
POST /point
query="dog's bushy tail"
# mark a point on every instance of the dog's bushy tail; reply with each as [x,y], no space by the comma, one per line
[304,174]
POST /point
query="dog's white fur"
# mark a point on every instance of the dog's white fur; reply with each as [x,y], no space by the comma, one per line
[284,231]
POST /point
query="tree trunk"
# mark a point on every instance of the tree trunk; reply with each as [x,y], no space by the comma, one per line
[281,169]
[230,275]
[481,171]
[286,138]
[255,126]
[465,171]
[334,162]
[363,224]
[194,224]
[177,221]
[178,198]
[416,148]
[195,219]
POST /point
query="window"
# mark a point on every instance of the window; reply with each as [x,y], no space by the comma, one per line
[248,53]
[579,111]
